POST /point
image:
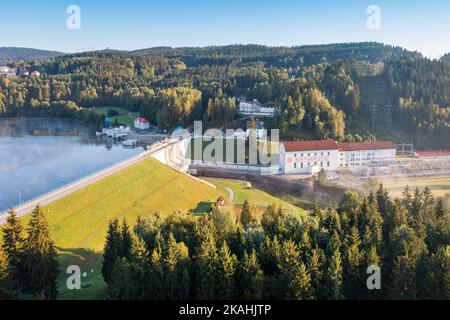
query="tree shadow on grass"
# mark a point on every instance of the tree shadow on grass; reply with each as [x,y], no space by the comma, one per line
[202,208]
[90,263]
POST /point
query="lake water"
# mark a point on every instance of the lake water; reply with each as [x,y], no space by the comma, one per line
[40,155]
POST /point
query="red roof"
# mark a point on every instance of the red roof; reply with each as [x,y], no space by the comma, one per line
[141,120]
[433,153]
[360,146]
[292,146]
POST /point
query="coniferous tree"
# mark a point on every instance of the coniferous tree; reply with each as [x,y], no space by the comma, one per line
[248,213]
[226,273]
[315,269]
[353,259]
[112,249]
[126,241]
[333,276]
[251,277]
[13,250]
[206,262]
[40,260]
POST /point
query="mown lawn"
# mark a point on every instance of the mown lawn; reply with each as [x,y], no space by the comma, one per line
[440,186]
[125,117]
[254,196]
[78,222]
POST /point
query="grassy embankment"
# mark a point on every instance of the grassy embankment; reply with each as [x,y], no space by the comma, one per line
[78,222]
[259,198]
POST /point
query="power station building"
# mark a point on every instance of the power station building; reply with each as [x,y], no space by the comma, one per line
[310,157]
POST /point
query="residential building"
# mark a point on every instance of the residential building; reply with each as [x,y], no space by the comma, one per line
[141,124]
[257,108]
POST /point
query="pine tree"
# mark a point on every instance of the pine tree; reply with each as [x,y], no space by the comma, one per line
[226,269]
[112,249]
[295,280]
[353,258]
[315,269]
[40,260]
[126,243]
[301,284]
[13,249]
[251,277]
[333,276]
[206,262]
[440,274]
[122,283]
[247,213]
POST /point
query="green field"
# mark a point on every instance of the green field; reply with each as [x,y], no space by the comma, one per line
[78,222]
[439,185]
[255,196]
[125,117]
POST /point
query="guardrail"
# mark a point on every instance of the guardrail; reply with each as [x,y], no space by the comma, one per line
[85,179]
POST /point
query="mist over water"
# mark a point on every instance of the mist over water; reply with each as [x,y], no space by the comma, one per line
[39,155]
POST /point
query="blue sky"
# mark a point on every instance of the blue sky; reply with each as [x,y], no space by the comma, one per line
[133,24]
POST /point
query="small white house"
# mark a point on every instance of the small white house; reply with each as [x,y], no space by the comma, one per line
[141,124]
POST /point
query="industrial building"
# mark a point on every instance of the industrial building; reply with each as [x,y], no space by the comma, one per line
[309,157]
[434,155]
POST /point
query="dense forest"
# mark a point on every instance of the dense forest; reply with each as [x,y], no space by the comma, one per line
[349,92]
[281,255]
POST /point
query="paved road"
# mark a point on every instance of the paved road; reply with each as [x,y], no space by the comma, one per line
[229,190]
[77,185]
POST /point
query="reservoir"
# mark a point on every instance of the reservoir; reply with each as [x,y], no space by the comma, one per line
[40,155]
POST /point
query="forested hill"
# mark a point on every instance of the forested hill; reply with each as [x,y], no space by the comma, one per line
[11,54]
[346,92]
[283,56]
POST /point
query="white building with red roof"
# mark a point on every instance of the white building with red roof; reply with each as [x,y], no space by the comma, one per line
[141,124]
[434,155]
[309,157]
[366,154]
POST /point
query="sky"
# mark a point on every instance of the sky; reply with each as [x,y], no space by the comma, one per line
[422,25]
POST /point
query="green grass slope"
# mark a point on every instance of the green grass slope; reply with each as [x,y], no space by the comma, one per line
[78,222]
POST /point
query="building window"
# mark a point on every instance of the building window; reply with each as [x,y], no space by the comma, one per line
[321,164]
[295,166]
[301,165]
[328,164]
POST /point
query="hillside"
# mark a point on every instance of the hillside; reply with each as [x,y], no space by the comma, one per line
[78,223]
[13,54]
[350,91]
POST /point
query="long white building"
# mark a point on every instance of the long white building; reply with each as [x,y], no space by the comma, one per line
[257,108]
[309,157]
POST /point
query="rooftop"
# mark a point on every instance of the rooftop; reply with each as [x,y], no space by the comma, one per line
[292,146]
[358,146]
[433,153]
